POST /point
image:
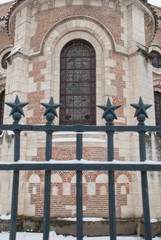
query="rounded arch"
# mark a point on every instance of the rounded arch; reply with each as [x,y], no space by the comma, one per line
[34,178]
[56,178]
[81,28]
[81,23]
[102,178]
[155,47]
[3,53]
[122,179]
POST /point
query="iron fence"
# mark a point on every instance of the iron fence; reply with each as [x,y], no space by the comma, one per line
[110,166]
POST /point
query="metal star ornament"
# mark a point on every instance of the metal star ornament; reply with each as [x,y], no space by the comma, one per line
[109,115]
[50,111]
[141,113]
[16,111]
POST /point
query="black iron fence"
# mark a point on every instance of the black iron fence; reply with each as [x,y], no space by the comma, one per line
[110,166]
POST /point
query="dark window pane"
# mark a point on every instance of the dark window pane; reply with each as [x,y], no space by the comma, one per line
[4,62]
[156,61]
[157,98]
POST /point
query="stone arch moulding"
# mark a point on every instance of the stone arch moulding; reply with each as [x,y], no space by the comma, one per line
[6,49]
[155,47]
[82,23]
[81,28]
[3,51]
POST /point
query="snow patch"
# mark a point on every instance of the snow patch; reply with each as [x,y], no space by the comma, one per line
[5,217]
[154,220]
[53,235]
[1,135]
[9,132]
[74,140]
[84,219]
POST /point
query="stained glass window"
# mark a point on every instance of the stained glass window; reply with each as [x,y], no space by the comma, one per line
[157,98]
[78,83]
[156,61]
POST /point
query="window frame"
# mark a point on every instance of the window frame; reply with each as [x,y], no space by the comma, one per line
[2,103]
[90,118]
[156,59]
[157,107]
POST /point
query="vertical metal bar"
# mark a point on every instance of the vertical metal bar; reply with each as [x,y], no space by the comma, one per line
[144,183]
[111,189]
[15,186]
[79,191]
[79,146]
[46,220]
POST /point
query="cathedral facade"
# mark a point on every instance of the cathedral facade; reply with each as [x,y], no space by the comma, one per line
[80,52]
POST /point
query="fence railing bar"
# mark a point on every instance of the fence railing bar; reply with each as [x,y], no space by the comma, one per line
[47,187]
[80,128]
[79,192]
[144,183]
[106,166]
[111,188]
[15,186]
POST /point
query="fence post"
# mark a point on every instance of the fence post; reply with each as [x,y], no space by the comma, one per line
[111,189]
[46,221]
[50,114]
[16,113]
[141,116]
[79,192]
[109,115]
[144,183]
[15,186]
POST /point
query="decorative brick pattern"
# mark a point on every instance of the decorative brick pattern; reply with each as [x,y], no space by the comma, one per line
[63,193]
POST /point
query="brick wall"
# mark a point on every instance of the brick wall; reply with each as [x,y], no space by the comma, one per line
[107,16]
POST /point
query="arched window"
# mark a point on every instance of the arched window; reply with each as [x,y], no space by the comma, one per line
[2,96]
[157,100]
[156,61]
[78,83]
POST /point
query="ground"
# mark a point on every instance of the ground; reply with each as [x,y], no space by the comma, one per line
[53,235]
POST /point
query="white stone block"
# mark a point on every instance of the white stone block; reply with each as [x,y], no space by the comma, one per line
[66,188]
[91,188]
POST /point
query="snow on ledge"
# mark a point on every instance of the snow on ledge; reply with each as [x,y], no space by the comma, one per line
[74,140]
[154,220]
[82,161]
[5,217]
[87,219]
[75,133]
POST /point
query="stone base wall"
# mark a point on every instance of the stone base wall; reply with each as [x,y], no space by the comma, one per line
[90,228]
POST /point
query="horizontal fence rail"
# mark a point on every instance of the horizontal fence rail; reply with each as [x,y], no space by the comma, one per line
[79,164]
[97,166]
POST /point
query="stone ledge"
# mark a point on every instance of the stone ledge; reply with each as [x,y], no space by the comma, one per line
[127,226]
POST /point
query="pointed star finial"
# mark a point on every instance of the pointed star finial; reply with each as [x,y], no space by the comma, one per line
[16,111]
[109,115]
[50,111]
[141,113]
